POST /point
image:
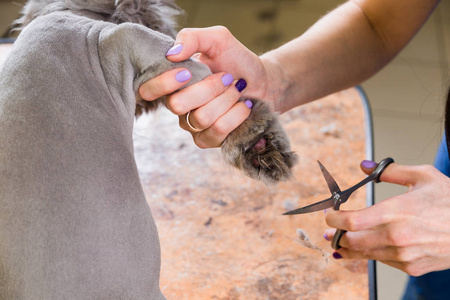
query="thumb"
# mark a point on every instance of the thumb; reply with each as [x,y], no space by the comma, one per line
[395,173]
[209,41]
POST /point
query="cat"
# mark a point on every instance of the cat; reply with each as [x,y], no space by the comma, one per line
[74,222]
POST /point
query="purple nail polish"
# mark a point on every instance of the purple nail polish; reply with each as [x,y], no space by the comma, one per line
[175,50]
[325,236]
[249,103]
[368,164]
[336,255]
[241,85]
[183,76]
[227,79]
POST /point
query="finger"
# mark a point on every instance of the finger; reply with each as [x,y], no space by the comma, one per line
[389,255]
[351,254]
[358,220]
[395,173]
[366,239]
[379,245]
[357,241]
[217,133]
[407,267]
[398,254]
[198,94]
[203,117]
[164,84]
[189,127]
[360,240]
[416,267]
[193,40]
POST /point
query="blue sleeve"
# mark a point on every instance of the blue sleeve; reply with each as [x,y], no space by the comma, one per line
[441,161]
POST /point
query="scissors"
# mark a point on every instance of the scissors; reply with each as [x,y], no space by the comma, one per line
[338,197]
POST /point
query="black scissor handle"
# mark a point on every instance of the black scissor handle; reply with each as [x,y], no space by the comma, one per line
[337,238]
[376,178]
[380,168]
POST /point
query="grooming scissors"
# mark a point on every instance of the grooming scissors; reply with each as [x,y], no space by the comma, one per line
[339,197]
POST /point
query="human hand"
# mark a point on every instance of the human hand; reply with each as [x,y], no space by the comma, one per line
[213,102]
[410,232]
[221,51]
[211,114]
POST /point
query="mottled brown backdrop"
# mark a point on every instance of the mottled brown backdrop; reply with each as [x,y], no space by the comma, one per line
[223,236]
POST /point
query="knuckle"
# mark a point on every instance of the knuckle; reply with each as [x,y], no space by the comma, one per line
[397,237]
[200,143]
[220,128]
[146,93]
[182,124]
[184,32]
[175,105]
[163,86]
[368,254]
[351,223]
[154,88]
[385,217]
[215,85]
[428,170]
[202,119]
[392,238]
[222,30]
[412,269]
[404,255]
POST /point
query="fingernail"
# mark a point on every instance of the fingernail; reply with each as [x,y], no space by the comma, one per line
[336,255]
[175,50]
[241,85]
[183,76]
[325,211]
[368,164]
[227,79]
[325,236]
[249,103]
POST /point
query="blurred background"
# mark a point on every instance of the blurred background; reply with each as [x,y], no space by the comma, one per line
[407,97]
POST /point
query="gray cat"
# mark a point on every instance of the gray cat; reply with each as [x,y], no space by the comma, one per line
[74,222]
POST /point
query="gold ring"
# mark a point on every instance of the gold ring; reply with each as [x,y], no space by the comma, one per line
[189,123]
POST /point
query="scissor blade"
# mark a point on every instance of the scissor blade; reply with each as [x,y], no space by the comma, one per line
[324,204]
[332,185]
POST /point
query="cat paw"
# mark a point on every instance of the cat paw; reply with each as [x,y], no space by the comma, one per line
[260,147]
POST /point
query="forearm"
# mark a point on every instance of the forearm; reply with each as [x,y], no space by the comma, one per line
[341,50]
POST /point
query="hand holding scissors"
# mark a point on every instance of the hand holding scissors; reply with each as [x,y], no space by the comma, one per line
[339,197]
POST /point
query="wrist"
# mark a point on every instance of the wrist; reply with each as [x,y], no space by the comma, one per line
[277,83]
